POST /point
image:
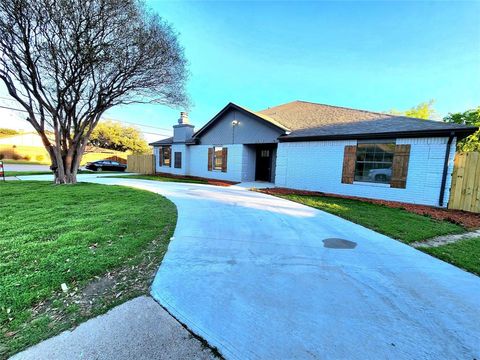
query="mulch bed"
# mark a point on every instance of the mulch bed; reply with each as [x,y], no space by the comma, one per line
[466,219]
[207,180]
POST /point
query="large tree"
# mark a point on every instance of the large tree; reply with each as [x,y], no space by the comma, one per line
[115,136]
[424,110]
[471,118]
[68,61]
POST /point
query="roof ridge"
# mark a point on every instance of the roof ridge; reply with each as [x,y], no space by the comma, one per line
[348,108]
[263,116]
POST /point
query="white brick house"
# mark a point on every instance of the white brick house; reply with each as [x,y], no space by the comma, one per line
[308,146]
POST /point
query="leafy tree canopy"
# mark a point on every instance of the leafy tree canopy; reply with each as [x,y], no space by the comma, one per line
[115,136]
[424,110]
[8,132]
[471,118]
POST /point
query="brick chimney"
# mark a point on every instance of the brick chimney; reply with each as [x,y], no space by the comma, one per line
[184,130]
[183,118]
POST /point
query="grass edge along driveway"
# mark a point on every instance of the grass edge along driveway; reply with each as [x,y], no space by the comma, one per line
[402,225]
[463,253]
[104,242]
[394,222]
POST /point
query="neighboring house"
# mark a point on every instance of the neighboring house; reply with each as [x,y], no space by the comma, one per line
[25,139]
[308,146]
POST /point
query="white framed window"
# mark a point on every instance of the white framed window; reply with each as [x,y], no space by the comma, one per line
[374,161]
[165,156]
[217,158]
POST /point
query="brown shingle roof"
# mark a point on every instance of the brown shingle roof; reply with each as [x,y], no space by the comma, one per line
[166,141]
[307,119]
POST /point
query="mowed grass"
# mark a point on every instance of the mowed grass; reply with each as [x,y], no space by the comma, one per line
[396,223]
[464,254]
[51,234]
[25,173]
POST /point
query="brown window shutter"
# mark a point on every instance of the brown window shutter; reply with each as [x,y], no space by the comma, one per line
[400,166]
[210,159]
[349,157]
[224,159]
[160,156]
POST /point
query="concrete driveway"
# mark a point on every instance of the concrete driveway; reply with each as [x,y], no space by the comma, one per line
[26,167]
[252,275]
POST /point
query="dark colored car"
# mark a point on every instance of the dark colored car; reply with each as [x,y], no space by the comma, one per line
[105,165]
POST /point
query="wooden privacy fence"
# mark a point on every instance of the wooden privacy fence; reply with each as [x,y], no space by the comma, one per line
[116,158]
[465,189]
[143,164]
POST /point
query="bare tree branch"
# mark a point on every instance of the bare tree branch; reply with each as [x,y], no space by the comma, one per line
[68,61]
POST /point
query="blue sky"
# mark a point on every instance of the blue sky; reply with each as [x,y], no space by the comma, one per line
[368,55]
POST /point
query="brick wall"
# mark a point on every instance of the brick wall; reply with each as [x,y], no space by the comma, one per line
[198,163]
[317,166]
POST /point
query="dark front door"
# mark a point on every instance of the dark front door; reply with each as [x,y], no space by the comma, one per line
[263,170]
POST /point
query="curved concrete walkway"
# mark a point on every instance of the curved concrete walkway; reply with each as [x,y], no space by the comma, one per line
[250,274]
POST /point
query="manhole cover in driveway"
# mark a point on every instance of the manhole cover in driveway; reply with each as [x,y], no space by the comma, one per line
[336,243]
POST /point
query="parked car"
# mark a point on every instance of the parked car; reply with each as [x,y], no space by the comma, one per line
[105,165]
[380,175]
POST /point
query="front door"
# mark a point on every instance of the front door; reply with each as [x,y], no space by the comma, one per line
[263,169]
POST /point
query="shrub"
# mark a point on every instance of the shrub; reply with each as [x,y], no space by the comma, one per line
[39,157]
[27,157]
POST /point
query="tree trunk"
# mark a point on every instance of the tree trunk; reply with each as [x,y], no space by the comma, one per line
[65,166]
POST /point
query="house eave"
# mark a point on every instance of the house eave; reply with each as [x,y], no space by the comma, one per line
[236,107]
[459,133]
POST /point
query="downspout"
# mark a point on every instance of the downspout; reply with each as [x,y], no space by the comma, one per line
[445,169]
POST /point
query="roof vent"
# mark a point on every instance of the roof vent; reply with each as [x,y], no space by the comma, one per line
[183,118]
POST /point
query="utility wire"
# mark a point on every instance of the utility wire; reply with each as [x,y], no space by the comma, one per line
[127,122]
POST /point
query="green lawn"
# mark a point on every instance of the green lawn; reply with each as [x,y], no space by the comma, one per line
[23,162]
[396,223]
[26,173]
[463,253]
[23,173]
[103,242]
[163,178]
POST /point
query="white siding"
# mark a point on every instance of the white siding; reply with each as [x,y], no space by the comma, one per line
[317,166]
[249,130]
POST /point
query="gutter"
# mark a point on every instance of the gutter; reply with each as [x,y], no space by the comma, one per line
[460,133]
[445,169]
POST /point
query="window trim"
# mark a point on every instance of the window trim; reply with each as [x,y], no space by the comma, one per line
[373,142]
[162,156]
[214,158]
[370,183]
[177,164]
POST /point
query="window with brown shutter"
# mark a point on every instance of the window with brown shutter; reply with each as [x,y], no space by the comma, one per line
[224,159]
[400,166]
[349,157]
[210,159]
[374,161]
[217,158]
[160,158]
[165,155]
[178,160]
